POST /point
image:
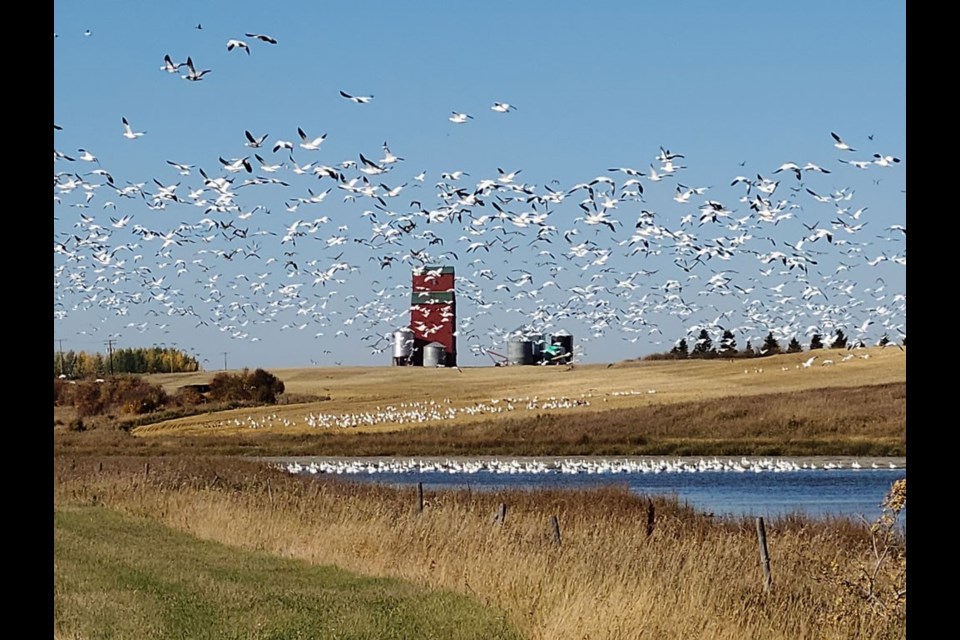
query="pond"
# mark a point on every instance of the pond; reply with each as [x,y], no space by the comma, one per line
[739,486]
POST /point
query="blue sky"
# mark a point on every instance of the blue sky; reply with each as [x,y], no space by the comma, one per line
[737,89]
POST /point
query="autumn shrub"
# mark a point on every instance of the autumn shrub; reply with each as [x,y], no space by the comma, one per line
[264,386]
[128,394]
[89,399]
[139,397]
[188,397]
[876,585]
[62,392]
[260,387]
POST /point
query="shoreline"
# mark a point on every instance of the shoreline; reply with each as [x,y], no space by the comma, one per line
[821,462]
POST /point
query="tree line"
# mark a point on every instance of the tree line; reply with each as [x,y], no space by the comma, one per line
[80,364]
[704,347]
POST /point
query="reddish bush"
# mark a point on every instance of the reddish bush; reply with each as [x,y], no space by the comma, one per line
[128,394]
[259,386]
[187,397]
[89,399]
[63,392]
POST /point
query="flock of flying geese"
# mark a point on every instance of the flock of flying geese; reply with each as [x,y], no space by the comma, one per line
[774,252]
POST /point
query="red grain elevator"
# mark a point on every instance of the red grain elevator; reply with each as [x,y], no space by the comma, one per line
[433,313]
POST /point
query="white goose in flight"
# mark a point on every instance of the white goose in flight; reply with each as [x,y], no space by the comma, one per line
[357,99]
[192,74]
[310,145]
[254,141]
[840,144]
[262,37]
[237,44]
[128,132]
[169,66]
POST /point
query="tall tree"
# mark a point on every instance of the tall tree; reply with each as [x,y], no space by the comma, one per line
[680,349]
[770,346]
[704,345]
[728,344]
[794,345]
[816,342]
[840,340]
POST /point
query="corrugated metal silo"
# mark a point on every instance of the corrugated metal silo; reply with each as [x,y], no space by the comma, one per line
[434,355]
[520,352]
[402,346]
[538,342]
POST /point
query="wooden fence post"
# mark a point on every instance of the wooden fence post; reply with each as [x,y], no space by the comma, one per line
[555,525]
[501,514]
[650,517]
[419,497]
[764,557]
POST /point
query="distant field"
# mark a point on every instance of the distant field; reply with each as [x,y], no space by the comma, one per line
[559,390]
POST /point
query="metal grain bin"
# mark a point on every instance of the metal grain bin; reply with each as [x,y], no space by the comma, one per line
[520,352]
[402,344]
[565,342]
[434,355]
[538,342]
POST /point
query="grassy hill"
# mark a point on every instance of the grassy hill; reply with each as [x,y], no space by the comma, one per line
[844,403]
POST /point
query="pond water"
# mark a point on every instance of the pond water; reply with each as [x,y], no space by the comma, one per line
[767,487]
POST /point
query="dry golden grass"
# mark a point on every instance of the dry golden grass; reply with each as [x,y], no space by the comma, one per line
[632,384]
[694,577]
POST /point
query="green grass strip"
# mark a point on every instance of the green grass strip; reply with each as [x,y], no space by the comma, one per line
[117,577]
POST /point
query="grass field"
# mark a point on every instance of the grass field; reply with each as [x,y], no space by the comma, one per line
[613,576]
[768,406]
[184,484]
[106,585]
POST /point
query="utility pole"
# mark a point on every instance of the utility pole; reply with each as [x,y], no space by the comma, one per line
[60,341]
[110,352]
[224,360]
